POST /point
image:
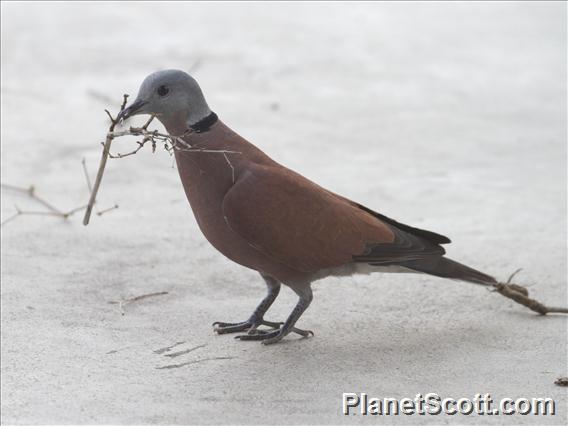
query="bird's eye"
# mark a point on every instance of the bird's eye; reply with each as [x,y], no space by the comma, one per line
[163,90]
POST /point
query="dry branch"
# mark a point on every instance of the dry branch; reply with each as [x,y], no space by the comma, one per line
[168,348]
[104,156]
[30,190]
[51,209]
[101,212]
[520,295]
[180,353]
[171,144]
[122,303]
[86,172]
[183,364]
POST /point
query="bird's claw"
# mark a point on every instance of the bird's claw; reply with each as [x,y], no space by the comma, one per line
[269,337]
[250,325]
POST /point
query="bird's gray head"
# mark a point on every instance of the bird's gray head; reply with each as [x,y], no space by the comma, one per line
[173,96]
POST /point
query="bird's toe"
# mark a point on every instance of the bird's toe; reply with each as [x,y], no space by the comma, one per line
[224,327]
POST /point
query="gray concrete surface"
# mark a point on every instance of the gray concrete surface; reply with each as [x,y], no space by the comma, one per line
[447,116]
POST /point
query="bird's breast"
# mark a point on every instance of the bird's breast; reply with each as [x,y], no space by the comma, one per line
[206,182]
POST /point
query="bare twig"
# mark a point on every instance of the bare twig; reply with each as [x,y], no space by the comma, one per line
[119,155]
[520,295]
[230,165]
[107,210]
[168,348]
[14,216]
[31,192]
[179,353]
[513,275]
[51,209]
[32,213]
[145,126]
[183,364]
[90,187]
[171,145]
[63,215]
[104,156]
[28,190]
[122,303]
[72,211]
[145,296]
[86,172]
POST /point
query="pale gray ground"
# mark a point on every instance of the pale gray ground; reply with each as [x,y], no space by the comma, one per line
[450,117]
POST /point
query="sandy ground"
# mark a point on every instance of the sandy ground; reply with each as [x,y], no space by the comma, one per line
[449,116]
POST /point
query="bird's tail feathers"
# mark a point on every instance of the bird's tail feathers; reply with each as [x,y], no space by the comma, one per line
[448,268]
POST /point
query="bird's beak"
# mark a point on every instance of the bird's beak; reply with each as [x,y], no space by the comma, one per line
[133,109]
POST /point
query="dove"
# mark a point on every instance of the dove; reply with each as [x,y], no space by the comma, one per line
[268,218]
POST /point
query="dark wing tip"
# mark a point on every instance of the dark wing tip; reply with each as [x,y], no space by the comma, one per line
[433,237]
[442,238]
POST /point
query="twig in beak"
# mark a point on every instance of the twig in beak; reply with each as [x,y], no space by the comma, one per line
[102,164]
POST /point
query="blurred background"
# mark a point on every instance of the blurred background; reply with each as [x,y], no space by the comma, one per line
[447,116]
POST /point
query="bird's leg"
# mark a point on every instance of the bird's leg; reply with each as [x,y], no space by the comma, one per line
[274,336]
[257,317]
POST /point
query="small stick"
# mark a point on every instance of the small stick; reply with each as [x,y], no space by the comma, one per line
[87,178]
[93,197]
[122,303]
[90,187]
[193,362]
[520,294]
[119,155]
[14,216]
[52,210]
[145,126]
[144,296]
[168,348]
[31,192]
[179,353]
[171,144]
[102,164]
[107,210]
[230,165]
[75,210]
[513,275]
[46,204]
[35,213]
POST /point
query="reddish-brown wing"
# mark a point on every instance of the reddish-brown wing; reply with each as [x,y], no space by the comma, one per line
[298,223]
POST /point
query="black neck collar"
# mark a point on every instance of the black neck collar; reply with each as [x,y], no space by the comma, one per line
[205,123]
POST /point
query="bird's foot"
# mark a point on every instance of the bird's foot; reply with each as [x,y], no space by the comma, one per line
[269,337]
[251,325]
